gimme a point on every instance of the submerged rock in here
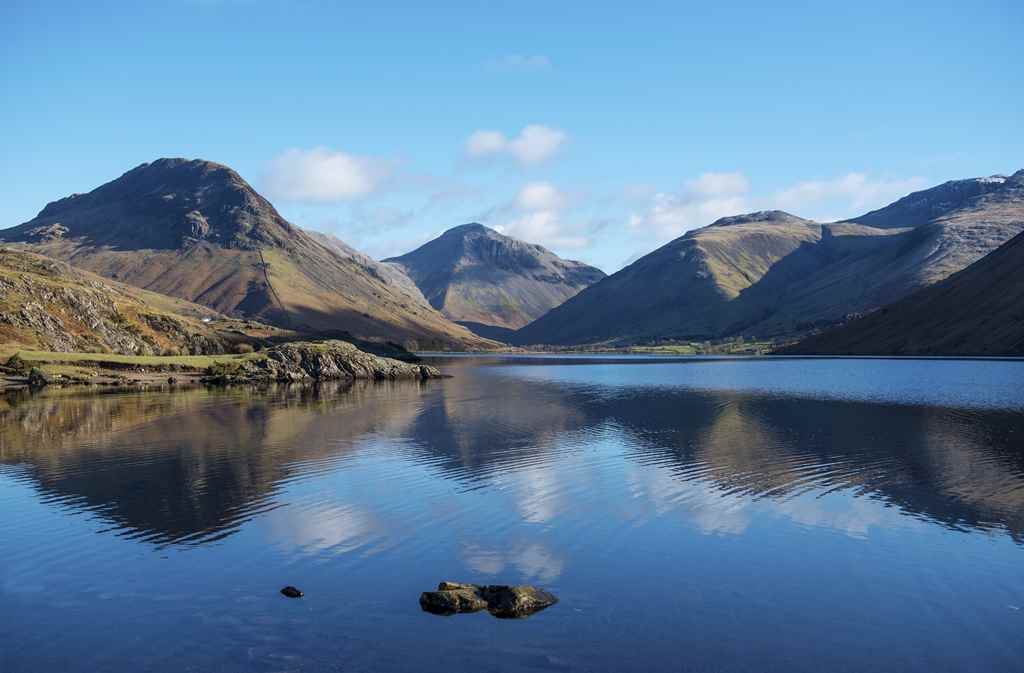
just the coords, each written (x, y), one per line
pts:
(500, 600)
(291, 592)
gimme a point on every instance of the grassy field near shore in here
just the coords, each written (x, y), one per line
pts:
(97, 367)
(118, 361)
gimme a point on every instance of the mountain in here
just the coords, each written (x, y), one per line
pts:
(977, 311)
(491, 282)
(196, 230)
(49, 305)
(770, 274)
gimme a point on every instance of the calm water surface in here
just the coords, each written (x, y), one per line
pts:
(693, 515)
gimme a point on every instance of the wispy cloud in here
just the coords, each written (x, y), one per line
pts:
(321, 175)
(852, 193)
(712, 185)
(519, 62)
(534, 144)
(709, 196)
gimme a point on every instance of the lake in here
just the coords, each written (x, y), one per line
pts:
(702, 514)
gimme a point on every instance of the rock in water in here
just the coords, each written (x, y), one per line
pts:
(516, 601)
(500, 600)
(291, 592)
(451, 598)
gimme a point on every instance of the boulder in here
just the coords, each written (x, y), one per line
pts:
(500, 600)
(516, 601)
(451, 601)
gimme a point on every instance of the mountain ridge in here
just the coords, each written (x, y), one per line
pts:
(772, 274)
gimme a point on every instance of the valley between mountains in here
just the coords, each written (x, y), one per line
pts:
(183, 256)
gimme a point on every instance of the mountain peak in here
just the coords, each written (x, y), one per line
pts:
(477, 275)
(773, 216)
(927, 205)
(165, 204)
(470, 228)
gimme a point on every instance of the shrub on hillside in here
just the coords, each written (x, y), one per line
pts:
(17, 365)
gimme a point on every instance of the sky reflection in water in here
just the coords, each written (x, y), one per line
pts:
(732, 515)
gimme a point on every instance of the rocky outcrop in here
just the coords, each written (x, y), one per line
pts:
(507, 602)
(52, 306)
(321, 361)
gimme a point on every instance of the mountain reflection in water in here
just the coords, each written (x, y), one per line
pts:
(515, 470)
(192, 465)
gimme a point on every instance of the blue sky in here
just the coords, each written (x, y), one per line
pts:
(601, 130)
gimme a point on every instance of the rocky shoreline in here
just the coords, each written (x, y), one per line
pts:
(294, 362)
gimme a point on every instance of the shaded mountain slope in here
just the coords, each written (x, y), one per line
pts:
(977, 311)
(492, 282)
(196, 230)
(771, 274)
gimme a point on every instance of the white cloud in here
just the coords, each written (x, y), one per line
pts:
(703, 200)
(854, 193)
(718, 184)
(521, 62)
(534, 144)
(537, 215)
(546, 228)
(709, 196)
(320, 175)
(484, 143)
(540, 196)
